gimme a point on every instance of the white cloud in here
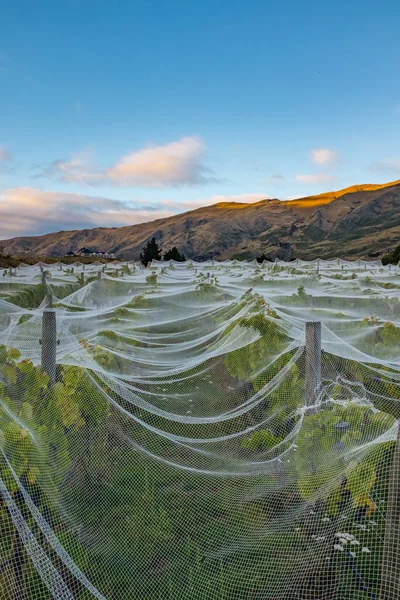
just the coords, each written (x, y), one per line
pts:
(315, 178)
(386, 165)
(323, 156)
(30, 211)
(175, 164)
(294, 197)
(217, 199)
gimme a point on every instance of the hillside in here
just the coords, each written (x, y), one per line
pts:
(360, 221)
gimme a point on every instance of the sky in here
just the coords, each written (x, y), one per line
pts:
(116, 113)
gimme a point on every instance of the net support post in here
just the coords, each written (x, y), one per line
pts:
(99, 273)
(44, 282)
(312, 360)
(49, 343)
(390, 578)
(48, 301)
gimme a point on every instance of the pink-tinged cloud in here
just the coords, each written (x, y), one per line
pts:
(324, 156)
(30, 211)
(175, 164)
(4, 155)
(315, 178)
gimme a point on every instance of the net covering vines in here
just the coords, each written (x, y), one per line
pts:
(200, 431)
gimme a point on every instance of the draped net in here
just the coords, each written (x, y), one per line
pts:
(190, 444)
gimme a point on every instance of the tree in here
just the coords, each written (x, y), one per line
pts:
(151, 251)
(392, 257)
(263, 257)
(174, 254)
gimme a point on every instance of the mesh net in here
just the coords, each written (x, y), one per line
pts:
(200, 431)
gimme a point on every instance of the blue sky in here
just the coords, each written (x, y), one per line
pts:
(116, 113)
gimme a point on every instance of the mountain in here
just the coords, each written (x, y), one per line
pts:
(359, 221)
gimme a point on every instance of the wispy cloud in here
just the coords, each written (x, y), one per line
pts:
(386, 165)
(175, 164)
(324, 156)
(30, 211)
(276, 179)
(315, 178)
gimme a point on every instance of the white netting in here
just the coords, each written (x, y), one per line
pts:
(200, 431)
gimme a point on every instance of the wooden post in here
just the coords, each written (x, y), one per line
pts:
(390, 579)
(48, 301)
(313, 360)
(49, 342)
(44, 282)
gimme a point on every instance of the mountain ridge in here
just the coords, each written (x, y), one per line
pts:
(363, 219)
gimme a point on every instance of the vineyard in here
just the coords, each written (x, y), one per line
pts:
(200, 431)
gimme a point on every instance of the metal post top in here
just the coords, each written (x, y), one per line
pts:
(313, 324)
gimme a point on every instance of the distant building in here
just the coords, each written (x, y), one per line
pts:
(91, 253)
(85, 252)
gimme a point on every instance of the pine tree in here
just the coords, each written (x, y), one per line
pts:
(174, 254)
(151, 251)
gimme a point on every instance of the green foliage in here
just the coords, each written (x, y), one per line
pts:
(126, 270)
(263, 439)
(152, 279)
(244, 362)
(322, 449)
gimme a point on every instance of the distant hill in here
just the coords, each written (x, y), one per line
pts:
(360, 221)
